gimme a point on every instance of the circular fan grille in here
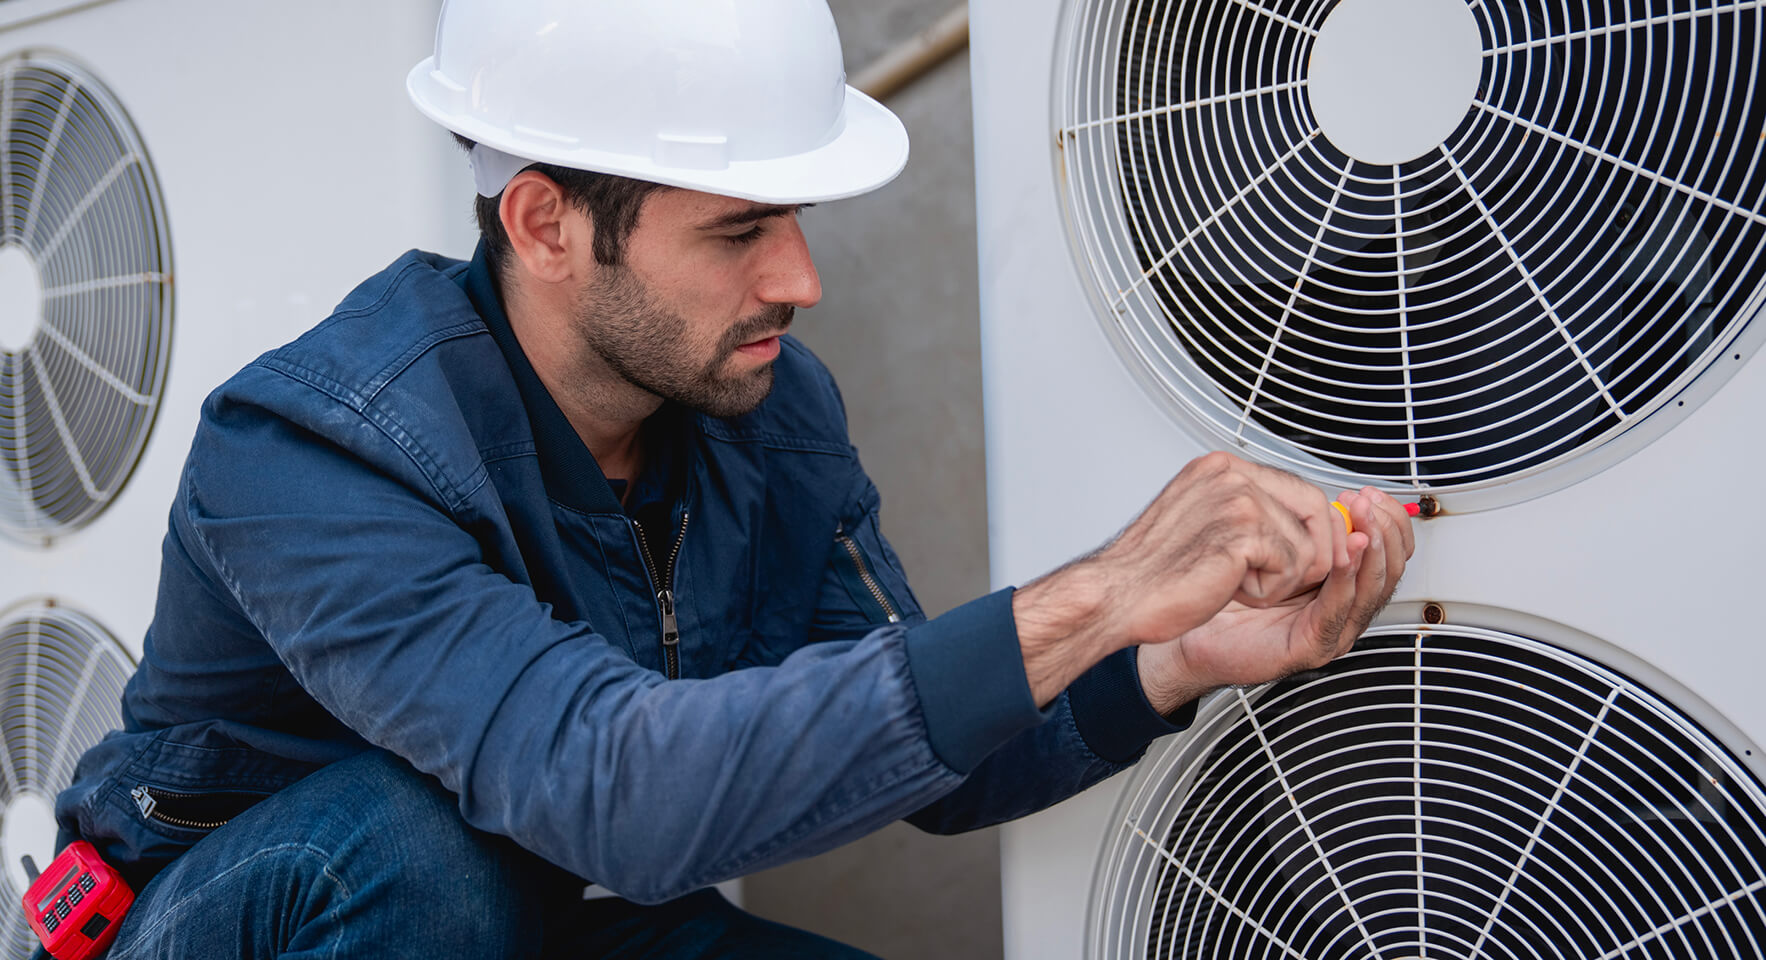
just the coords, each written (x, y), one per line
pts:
(1584, 243)
(87, 296)
(1444, 794)
(61, 683)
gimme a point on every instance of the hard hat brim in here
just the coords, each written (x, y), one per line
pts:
(867, 150)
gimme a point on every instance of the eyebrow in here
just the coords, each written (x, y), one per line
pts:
(753, 215)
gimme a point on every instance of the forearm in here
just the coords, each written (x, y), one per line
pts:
(1062, 628)
(1071, 620)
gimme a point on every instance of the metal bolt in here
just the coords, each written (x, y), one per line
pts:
(1428, 507)
(1434, 613)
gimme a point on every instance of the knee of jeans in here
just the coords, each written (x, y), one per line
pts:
(404, 828)
(366, 852)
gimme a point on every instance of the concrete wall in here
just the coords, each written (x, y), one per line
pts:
(899, 327)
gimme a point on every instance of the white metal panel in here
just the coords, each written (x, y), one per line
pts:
(292, 167)
(14, 12)
(1073, 442)
(1074, 445)
(1654, 555)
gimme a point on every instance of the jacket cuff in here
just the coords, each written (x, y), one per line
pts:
(969, 672)
(1112, 713)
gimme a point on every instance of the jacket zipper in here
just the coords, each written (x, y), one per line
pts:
(665, 597)
(148, 804)
(864, 575)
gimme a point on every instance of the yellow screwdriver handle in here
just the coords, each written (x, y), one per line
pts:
(1348, 524)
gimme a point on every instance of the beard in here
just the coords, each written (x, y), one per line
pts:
(648, 345)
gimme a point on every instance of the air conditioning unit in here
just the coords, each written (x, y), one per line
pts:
(1504, 255)
(183, 185)
(16, 12)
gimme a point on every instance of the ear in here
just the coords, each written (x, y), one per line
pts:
(551, 238)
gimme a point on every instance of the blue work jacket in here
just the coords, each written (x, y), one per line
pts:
(387, 534)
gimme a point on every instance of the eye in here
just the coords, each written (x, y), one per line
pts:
(744, 239)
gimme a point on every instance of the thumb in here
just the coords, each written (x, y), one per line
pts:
(1335, 604)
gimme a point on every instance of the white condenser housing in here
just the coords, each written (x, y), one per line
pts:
(1506, 257)
(184, 184)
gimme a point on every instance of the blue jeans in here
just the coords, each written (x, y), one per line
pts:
(369, 858)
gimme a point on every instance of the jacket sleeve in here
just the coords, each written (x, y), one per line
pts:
(380, 604)
(1099, 726)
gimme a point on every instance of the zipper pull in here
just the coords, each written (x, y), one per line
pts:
(671, 628)
(144, 801)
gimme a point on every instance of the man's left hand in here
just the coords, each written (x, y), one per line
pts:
(1245, 645)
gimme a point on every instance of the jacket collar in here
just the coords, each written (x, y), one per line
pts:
(572, 476)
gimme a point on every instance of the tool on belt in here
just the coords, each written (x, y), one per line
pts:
(76, 907)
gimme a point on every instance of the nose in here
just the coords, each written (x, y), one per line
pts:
(789, 275)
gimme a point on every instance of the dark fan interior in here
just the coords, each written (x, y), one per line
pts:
(61, 683)
(77, 194)
(1543, 811)
(1499, 302)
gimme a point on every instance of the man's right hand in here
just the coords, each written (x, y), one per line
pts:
(1222, 530)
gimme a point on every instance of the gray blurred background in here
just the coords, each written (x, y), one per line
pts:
(898, 324)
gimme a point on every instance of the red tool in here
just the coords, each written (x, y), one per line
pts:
(76, 907)
(1414, 509)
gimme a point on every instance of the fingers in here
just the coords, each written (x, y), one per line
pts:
(1383, 562)
(1294, 511)
(1322, 524)
(1401, 533)
(1288, 553)
(1374, 575)
(1336, 600)
(1358, 589)
(1277, 526)
(1375, 515)
(1394, 510)
(1222, 530)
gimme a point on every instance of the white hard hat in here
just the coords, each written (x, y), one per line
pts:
(744, 98)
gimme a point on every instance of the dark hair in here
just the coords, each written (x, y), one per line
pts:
(612, 204)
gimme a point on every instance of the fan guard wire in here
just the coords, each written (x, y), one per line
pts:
(1584, 247)
(1443, 793)
(79, 196)
(61, 686)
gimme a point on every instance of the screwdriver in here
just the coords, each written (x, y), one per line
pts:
(1414, 509)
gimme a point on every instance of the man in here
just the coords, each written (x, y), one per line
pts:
(557, 566)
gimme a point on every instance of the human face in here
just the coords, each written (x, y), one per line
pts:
(695, 311)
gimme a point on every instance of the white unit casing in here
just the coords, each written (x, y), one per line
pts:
(291, 167)
(18, 12)
(1644, 561)
(262, 161)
